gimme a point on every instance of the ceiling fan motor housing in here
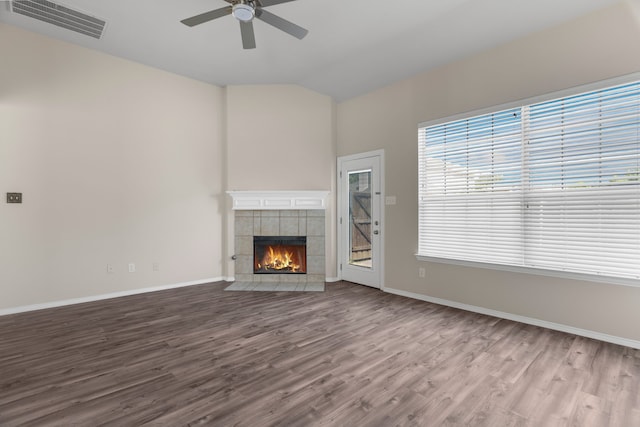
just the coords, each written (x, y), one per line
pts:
(243, 12)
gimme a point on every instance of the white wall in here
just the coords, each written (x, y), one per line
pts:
(117, 163)
(599, 46)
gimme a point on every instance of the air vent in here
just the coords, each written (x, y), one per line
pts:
(60, 16)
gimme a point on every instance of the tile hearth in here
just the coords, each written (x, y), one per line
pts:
(277, 287)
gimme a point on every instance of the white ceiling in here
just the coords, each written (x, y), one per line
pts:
(353, 46)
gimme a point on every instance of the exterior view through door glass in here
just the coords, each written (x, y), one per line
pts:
(360, 218)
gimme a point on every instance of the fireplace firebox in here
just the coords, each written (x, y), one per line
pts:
(279, 255)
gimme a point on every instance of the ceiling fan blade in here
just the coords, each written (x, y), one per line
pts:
(248, 37)
(265, 3)
(207, 16)
(281, 24)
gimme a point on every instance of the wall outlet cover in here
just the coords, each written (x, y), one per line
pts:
(14, 197)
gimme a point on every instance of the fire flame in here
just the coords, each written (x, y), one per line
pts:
(279, 259)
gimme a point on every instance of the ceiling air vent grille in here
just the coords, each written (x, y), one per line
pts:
(60, 16)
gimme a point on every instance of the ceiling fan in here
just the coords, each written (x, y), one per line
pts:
(245, 11)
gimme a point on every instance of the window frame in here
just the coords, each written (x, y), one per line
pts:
(538, 271)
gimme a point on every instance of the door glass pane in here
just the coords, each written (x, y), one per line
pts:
(360, 218)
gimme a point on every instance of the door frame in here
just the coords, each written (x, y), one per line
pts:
(342, 241)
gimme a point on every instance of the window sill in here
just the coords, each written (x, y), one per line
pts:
(535, 271)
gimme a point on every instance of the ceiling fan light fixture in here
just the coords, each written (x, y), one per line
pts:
(243, 12)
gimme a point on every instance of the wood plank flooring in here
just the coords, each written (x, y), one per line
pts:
(351, 356)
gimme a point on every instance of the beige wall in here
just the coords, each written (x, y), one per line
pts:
(596, 47)
(117, 163)
(281, 137)
(123, 163)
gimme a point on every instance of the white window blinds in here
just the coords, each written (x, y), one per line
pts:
(553, 185)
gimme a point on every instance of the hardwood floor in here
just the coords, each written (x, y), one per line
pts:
(351, 356)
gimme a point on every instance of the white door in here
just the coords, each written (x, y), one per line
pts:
(360, 218)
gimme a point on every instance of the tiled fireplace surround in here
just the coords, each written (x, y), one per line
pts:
(286, 222)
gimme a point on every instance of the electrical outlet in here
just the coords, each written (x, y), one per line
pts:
(421, 272)
(109, 268)
(14, 197)
(132, 267)
(156, 266)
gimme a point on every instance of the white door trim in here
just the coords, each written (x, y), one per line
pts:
(342, 249)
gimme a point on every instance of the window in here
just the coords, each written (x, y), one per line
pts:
(553, 185)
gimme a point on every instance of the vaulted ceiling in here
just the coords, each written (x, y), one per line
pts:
(353, 46)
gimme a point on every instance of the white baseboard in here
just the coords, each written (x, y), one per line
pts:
(522, 319)
(53, 304)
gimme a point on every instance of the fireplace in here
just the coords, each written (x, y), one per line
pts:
(279, 255)
(296, 226)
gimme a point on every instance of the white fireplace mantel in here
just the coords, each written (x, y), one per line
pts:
(278, 200)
